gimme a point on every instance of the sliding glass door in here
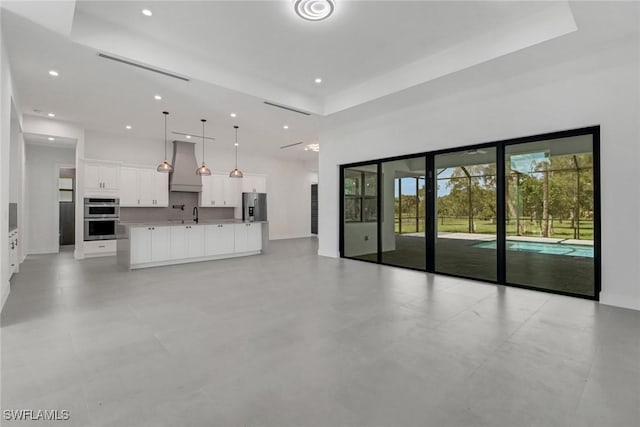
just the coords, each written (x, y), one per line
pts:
(521, 212)
(550, 215)
(404, 212)
(466, 216)
(360, 212)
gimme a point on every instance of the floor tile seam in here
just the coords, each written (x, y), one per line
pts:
(584, 388)
(86, 405)
(505, 341)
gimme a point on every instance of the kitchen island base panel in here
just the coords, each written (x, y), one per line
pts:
(154, 245)
(190, 260)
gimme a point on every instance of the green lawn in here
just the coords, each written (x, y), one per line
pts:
(461, 225)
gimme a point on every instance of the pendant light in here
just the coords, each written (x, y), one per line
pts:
(165, 166)
(236, 173)
(203, 170)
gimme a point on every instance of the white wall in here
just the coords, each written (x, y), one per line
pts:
(42, 228)
(575, 81)
(7, 99)
(288, 182)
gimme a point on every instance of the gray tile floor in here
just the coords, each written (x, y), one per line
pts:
(292, 339)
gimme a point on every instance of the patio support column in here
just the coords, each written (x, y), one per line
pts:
(417, 207)
(470, 214)
(399, 205)
(576, 209)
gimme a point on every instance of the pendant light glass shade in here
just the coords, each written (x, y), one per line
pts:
(236, 173)
(203, 170)
(165, 166)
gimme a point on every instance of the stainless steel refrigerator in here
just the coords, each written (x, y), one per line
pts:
(254, 206)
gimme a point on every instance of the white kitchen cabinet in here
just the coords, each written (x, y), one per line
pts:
(218, 190)
(101, 179)
(231, 191)
(129, 194)
(96, 248)
(143, 187)
(161, 189)
(254, 183)
(248, 237)
(187, 241)
(219, 239)
(149, 244)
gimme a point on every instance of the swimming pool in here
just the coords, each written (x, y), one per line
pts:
(542, 248)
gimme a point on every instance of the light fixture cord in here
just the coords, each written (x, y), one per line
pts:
(203, 120)
(165, 137)
(236, 147)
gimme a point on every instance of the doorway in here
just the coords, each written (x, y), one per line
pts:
(66, 205)
(314, 209)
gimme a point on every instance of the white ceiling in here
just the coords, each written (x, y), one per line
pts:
(241, 53)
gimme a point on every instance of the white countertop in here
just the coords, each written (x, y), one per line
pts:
(169, 223)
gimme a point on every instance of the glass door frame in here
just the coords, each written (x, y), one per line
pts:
(501, 234)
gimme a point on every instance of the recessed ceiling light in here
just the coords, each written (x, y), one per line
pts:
(53, 73)
(285, 127)
(51, 138)
(188, 136)
(128, 126)
(314, 10)
(233, 115)
(147, 12)
(318, 80)
(312, 147)
(236, 144)
(51, 115)
(157, 97)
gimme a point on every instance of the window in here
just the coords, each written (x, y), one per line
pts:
(360, 196)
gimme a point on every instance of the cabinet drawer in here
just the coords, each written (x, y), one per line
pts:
(100, 247)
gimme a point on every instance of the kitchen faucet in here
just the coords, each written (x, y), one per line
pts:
(195, 214)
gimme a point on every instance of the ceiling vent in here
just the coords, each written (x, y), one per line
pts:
(144, 67)
(287, 108)
(291, 145)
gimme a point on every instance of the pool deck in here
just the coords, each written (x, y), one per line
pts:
(489, 237)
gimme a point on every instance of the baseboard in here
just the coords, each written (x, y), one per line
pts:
(292, 236)
(619, 301)
(329, 254)
(5, 294)
(43, 251)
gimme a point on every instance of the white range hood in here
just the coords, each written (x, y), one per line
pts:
(184, 177)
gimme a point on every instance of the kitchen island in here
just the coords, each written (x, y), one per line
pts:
(152, 244)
